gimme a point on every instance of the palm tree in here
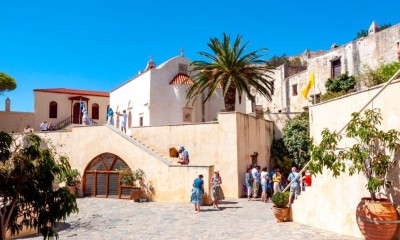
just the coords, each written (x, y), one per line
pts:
(232, 70)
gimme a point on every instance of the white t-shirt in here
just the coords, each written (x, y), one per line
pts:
(43, 126)
(264, 176)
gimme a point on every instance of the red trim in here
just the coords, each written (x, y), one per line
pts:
(74, 92)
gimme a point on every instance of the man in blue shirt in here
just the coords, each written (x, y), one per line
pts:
(295, 186)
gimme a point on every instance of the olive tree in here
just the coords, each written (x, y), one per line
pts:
(7, 83)
(27, 196)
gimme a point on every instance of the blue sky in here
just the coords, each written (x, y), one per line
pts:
(98, 45)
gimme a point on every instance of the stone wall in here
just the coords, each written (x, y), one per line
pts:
(355, 57)
(225, 145)
(15, 121)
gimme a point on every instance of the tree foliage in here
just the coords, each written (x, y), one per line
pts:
(231, 69)
(364, 32)
(281, 156)
(276, 61)
(27, 197)
(342, 83)
(296, 136)
(7, 83)
(337, 87)
(372, 77)
(371, 154)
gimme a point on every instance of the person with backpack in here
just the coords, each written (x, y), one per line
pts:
(295, 186)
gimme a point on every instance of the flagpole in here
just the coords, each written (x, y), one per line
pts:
(314, 90)
(80, 110)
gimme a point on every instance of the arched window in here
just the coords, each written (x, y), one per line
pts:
(95, 111)
(130, 119)
(53, 110)
(101, 178)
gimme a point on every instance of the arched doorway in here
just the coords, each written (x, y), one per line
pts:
(101, 178)
(77, 115)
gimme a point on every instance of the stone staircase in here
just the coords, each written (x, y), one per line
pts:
(148, 147)
(172, 160)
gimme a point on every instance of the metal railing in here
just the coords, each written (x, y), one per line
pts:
(70, 120)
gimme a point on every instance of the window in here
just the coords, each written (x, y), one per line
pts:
(336, 68)
(95, 111)
(141, 121)
(53, 110)
(294, 90)
(182, 68)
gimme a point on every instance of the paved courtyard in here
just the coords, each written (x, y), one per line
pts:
(238, 219)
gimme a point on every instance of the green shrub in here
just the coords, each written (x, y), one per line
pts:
(296, 136)
(280, 199)
(372, 77)
(342, 83)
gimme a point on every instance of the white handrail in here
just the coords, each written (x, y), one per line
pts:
(344, 127)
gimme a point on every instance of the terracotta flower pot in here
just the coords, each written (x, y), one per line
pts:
(72, 189)
(375, 219)
(280, 213)
(135, 194)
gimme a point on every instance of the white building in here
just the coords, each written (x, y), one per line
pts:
(157, 96)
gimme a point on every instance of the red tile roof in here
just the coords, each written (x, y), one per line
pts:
(74, 92)
(182, 78)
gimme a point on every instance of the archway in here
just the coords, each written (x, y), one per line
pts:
(101, 177)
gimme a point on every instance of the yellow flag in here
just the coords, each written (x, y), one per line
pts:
(310, 84)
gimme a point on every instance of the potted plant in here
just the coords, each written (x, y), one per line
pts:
(134, 179)
(371, 154)
(126, 177)
(72, 180)
(280, 208)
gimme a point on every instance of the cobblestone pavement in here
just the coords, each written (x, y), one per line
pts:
(237, 219)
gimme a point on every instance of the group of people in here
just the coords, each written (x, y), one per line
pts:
(270, 182)
(110, 118)
(44, 126)
(198, 191)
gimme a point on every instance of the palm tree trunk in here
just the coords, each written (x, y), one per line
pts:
(230, 99)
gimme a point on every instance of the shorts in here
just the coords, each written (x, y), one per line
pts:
(264, 186)
(294, 190)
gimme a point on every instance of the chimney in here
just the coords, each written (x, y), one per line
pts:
(8, 104)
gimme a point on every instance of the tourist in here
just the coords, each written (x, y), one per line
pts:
(50, 127)
(197, 193)
(183, 156)
(110, 120)
(277, 180)
(270, 188)
(283, 183)
(264, 184)
(216, 191)
(85, 119)
(295, 186)
(43, 126)
(28, 129)
(248, 179)
(123, 121)
(256, 183)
